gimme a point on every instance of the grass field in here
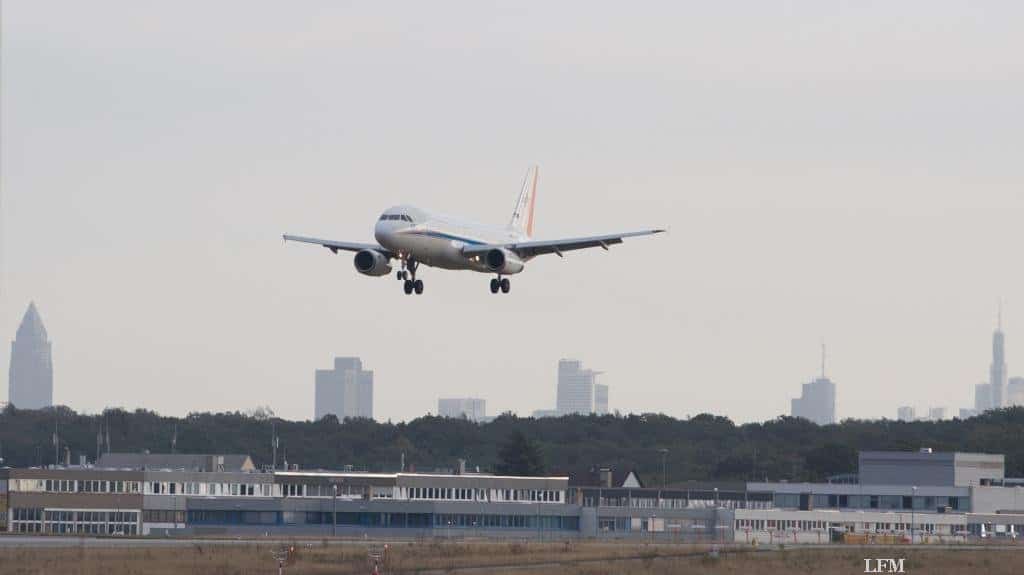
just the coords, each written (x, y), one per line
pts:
(576, 558)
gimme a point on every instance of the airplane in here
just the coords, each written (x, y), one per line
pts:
(415, 236)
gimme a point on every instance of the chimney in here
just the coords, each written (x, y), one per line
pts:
(81, 460)
(461, 469)
(67, 456)
(606, 477)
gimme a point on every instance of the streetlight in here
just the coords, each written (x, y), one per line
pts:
(912, 498)
(334, 513)
(664, 453)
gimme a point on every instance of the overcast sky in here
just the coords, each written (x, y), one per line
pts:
(841, 170)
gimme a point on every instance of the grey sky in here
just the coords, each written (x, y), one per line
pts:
(843, 170)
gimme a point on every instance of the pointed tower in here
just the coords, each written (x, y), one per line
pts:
(31, 373)
(997, 371)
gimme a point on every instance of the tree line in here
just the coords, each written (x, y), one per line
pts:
(704, 447)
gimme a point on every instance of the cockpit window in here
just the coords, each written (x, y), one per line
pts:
(398, 217)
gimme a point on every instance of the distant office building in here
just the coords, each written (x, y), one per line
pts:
(982, 397)
(600, 399)
(345, 391)
(471, 408)
(539, 413)
(905, 413)
(31, 373)
(997, 371)
(575, 388)
(966, 413)
(1015, 392)
(817, 402)
(937, 414)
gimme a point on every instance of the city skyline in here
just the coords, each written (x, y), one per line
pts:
(578, 391)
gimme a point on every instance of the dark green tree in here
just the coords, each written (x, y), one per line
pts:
(518, 455)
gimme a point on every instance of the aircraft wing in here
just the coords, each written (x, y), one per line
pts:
(335, 246)
(535, 248)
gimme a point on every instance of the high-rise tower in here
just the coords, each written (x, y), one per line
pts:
(817, 401)
(997, 372)
(31, 374)
(575, 388)
(345, 391)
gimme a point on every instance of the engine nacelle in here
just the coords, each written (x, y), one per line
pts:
(372, 263)
(502, 261)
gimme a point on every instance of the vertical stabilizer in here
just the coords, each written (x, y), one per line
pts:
(522, 217)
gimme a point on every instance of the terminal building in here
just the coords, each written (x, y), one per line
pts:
(895, 496)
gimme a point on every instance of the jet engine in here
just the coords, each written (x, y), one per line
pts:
(372, 263)
(502, 261)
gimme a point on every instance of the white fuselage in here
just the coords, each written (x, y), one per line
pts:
(437, 240)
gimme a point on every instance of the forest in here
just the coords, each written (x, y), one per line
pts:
(703, 447)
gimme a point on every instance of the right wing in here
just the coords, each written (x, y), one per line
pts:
(532, 248)
(335, 246)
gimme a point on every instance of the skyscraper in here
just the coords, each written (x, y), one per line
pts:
(600, 399)
(471, 408)
(31, 373)
(997, 371)
(575, 388)
(345, 391)
(817, 401)
(906, 413)
(1015, 392)
(982, 397)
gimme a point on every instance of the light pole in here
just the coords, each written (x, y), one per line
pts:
(664, 453)
(913, 496)
(334, 512)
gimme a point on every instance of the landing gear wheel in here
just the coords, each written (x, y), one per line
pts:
(408, 287)
(494, 285)
(505, 285)
(418, 286)
(400, 276)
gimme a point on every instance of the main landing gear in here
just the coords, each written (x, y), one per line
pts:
(409, 277)
(500, 283)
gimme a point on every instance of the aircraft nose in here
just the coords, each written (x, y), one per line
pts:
(380, 231)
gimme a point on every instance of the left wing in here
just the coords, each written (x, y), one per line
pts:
(535, 248)
(335, 246)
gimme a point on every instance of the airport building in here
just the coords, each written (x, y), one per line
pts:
(894, 497)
